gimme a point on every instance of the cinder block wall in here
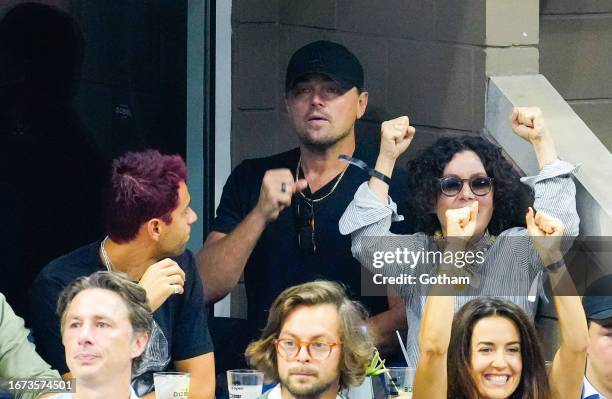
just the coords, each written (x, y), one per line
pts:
(576, 57)
(427, 59)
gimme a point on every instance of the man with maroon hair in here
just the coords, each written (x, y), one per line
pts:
(148, 224)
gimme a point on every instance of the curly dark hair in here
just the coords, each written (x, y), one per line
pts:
(510, 196)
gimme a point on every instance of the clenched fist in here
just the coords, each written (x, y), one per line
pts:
(277, 189)
(546, 232)
(396, 136)
(461, 222)
(161, 280)
(528, 123)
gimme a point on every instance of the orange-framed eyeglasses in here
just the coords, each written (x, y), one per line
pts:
(290, 348)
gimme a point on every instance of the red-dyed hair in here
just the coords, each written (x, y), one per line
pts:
(144, 185)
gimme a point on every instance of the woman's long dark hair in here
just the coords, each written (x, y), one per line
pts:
(533, 383)
(510, 197)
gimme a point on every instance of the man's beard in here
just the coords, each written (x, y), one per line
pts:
(173, 252)
(320, 145)
(308, 391)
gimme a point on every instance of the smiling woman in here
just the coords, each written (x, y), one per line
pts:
(492, 351)
(491, 340)
(465, 197)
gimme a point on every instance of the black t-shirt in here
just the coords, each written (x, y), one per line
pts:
(277, 262)
(180, 329)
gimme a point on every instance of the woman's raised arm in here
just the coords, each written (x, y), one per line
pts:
(566, 375)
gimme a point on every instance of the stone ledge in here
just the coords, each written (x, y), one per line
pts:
(575, 143)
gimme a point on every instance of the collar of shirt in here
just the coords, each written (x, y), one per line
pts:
(275, 393)
(589, 391)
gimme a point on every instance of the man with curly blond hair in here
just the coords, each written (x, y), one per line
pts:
(314, 344)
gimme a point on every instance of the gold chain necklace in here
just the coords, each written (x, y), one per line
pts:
(105, 257)
(297, 175)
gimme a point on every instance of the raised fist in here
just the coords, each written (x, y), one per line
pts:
(277, 189)
(396, 135)
(461, 222)
(528, 123)
(546, 232)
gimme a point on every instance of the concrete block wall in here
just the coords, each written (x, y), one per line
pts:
(428, 59)
(575, 54)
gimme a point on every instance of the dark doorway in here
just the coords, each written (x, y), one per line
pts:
(82, 82)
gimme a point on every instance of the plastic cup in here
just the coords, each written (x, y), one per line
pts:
(171, 385)
(399, 382)
(244, 384)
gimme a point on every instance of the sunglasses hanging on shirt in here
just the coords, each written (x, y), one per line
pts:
(304, 219)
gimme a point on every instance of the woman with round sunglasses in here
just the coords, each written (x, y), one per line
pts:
(491, 349)
(462, 178)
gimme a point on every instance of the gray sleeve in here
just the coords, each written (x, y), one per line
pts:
(555, 194)
(368, 221)
(18, 357)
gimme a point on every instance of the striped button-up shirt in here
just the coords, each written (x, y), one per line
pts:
(511, 268)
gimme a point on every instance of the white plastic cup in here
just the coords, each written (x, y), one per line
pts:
(244, 384)
(171, 385)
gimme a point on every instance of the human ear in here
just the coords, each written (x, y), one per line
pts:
(154, 227)
(362, 104)
(139, 343)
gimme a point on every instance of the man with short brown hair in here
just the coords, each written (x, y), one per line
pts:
(105, 323)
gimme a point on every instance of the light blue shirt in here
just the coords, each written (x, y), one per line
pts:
(275, 393)
(589, 390)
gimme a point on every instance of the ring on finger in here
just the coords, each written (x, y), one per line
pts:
(176, 288)
(283, 187)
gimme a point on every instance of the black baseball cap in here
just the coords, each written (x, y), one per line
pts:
(326, 58)
(597, 300)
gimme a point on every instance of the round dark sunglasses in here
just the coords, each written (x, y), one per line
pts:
(480, 185)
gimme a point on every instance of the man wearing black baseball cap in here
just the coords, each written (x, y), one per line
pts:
(597, 304)
(278, 217)
(327, 59)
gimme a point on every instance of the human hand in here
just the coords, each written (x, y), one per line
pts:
(546, 232)
(461, 222)
(161, 280)
(396, 136)
(528, 123)
(272, 198)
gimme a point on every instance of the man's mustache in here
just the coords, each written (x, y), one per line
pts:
(302, 370)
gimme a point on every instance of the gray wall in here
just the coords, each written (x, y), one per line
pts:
(426, 59)
(576, 56)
